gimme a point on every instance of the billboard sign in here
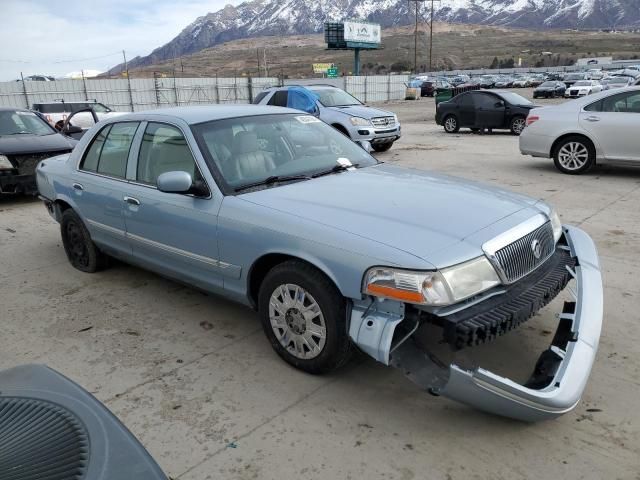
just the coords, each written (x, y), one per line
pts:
(362, 32)
(321, 67)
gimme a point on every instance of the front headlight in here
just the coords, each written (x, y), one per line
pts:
(5, 164)
(359, 122)
(556, 224)
(444, 287)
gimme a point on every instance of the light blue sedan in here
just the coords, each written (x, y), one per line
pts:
(275, 209)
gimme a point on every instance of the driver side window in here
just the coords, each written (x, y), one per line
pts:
(164, 149)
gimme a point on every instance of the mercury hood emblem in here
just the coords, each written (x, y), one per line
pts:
(536, 248)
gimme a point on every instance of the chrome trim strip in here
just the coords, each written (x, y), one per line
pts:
(226, 268)
(107, 228)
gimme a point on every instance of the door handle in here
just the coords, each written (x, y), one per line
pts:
(78, 186)
(592, 119)
(131, 200)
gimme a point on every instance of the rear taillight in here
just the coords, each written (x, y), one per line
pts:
(532, 119)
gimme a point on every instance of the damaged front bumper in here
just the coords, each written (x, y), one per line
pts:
(559, 377)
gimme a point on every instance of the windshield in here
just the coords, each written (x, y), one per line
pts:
(574, 76)
(548, 84)
(16, 122)
(334, 97)
(582, 83)
(248, 150)
(514, 98)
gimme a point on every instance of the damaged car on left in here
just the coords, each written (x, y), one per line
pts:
(26, 139)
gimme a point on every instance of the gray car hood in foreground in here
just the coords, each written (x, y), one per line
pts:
(362, 111)
(418, 212)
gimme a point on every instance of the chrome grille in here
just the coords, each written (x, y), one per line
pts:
(383, 121)
(519, 259)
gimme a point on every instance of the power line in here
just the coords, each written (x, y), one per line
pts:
(61, 61)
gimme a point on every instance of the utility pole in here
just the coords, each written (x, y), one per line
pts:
(431, 38)
(126, 69)
(415, 38)
(258, 57)
(266, 65)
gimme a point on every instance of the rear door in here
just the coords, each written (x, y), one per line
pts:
(172, 233)
(99, 184)
(466, 110)
(614, 122)
(490, 110)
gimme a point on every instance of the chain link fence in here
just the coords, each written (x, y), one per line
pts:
(149, 93)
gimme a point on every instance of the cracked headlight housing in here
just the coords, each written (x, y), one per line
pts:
(435, 288)
(5, 164)
(359, 122)
(556, 224)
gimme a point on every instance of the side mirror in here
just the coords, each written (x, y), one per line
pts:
(181, 182)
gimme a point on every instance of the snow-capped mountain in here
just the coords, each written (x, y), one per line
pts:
(286, 17)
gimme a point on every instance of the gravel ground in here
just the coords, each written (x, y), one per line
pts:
(195, 380)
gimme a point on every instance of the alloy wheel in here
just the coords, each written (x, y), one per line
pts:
(573, 155)
(450, 124)
(518, 125)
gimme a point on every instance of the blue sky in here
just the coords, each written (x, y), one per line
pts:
(58, 37)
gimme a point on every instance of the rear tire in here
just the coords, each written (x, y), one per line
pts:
(451, 124)
(82, 253)
(382, 147)
(574, 155)
(304, 317)
(517, 124)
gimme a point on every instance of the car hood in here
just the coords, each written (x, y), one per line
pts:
(362, 111)
(22, 144)
(418, 212)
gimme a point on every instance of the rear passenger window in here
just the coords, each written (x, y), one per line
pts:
(164, 149)
(279, 98)
(594, 107)
(109, 150)
(91, 158)
(113, 158)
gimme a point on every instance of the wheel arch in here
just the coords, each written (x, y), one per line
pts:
(564, 136)
(341, 128)
(263, 264)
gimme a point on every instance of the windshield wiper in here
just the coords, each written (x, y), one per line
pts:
(335, 169)
(16, 133)
(272, 179)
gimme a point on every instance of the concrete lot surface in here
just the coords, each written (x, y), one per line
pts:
(196, 381)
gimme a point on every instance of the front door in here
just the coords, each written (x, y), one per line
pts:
(172, 233)
(490, 110)
(614, 123)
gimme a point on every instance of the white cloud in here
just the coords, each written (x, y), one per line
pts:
(39, 36)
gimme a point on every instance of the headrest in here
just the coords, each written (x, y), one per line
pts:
(245, 142)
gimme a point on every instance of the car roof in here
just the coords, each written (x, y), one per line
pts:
(207, 113)
(13, 109)
(56, 102)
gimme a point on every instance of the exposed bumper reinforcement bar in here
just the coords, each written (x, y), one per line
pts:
(560, 375)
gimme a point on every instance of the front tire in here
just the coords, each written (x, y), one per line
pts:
(382, 147)
(82, 253)
(574, 155)
(517, 125)
(451, 124)
(304, 317)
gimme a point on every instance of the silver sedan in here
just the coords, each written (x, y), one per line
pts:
(578, 134)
